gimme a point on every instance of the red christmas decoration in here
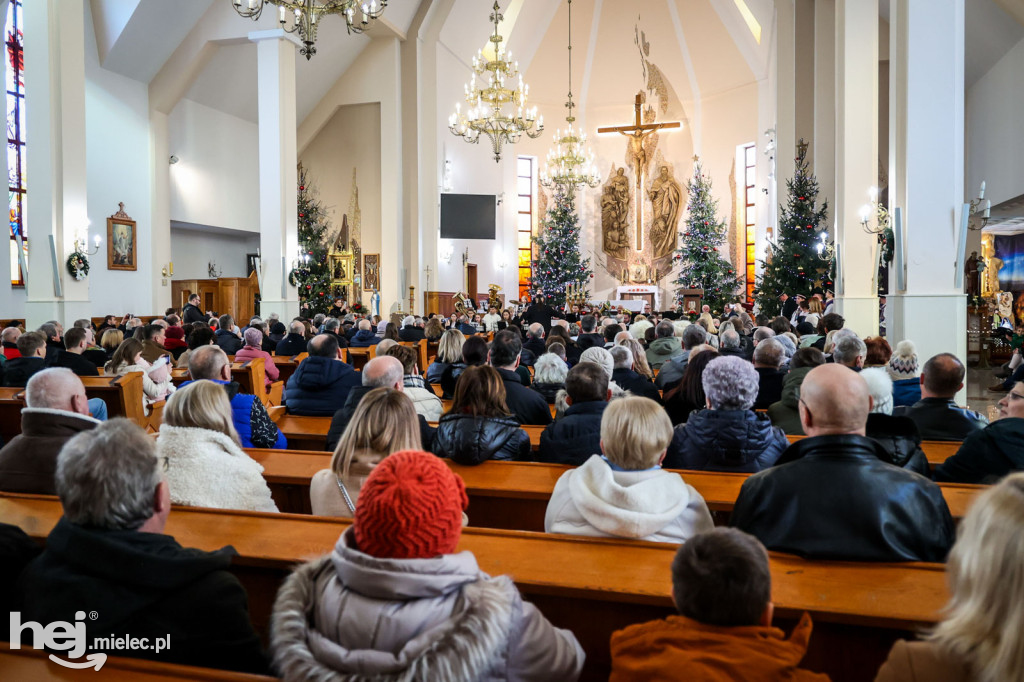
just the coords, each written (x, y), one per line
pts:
(320, 293)
(302, 215)
(302, 188)
(308, 287)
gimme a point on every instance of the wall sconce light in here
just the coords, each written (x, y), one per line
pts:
(168, 270)
(446, 253)
(446, 176)
(173, 160)
(500, 197)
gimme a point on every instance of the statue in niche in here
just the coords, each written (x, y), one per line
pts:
(972, 274)
(666, 197)
(615, 215)
(993, 264)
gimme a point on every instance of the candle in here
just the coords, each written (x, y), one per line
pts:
(981, 194)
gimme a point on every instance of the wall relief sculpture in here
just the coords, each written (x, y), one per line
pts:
(615, 201)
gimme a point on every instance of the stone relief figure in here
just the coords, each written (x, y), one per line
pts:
(990, 286)
(972, 274)
(615, 215)
(1005, 306)
(666, 198)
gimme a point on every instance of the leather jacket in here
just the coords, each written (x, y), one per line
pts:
(833, 497)
(469, 440)
(941, 419)
(899, 438)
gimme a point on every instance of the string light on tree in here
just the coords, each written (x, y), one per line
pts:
(311, 271)
(558, 265)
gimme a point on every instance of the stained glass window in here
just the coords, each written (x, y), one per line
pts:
(750, 215)
(524, 226)
(15, 77)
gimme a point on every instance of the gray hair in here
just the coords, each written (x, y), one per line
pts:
(664, 330)
(730, 339)
(384, 345)
(384, 371)
(622, 357)
(48, 329)
(600, 356)
(331, 324)
(53, 387)
(206, 362)
(694, 335)
(730, 383)
(107, 477)
(762, 333)
(536, 330)
(273, 317)
(297, 327)
(10, 334)
(788, 346)
(408, 321)
(550, 369)
(769, 352)
(848, 349)
(318, 319)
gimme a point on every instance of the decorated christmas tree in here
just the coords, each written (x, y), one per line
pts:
(312, 277)
(703, 267)
(800, 260)
(558, 262)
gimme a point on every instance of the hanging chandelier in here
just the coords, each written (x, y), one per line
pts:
(569, 164)
(304, 16)
(499, 109)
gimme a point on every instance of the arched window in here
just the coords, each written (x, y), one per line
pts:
(16, 136)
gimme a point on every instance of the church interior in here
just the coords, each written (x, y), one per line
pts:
(407, 157)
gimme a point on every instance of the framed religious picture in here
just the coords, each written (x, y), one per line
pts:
(371, 271)
(122, 241)
(692, 300)
(341, 269)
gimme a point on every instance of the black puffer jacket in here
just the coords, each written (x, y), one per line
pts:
(725, 440)
(575, 436)
(901, 441)
(466, 439)
(549, 391)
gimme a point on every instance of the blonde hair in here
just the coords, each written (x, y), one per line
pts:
(814, 305)
(111, 339)
(449, 348)
(985, 570)
(384, 422)
(635, 432)
(202, 404)
(640, 365)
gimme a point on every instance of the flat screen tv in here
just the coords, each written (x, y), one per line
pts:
(468, 216)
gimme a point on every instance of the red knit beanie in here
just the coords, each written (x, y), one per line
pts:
(410, 507)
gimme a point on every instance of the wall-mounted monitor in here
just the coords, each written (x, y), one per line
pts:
(468, 216)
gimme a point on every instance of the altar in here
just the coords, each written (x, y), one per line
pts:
(644, 293)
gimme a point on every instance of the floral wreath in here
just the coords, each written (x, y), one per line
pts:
(78, 265)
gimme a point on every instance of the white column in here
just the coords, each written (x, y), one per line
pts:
(55, 157)
(275, 62)
(785, 126)
(926, 170)
(824, 148)
(856, 159)
(160, 212)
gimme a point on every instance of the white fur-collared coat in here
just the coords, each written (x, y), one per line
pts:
(653, 504)
(205, 468)
(351, 617)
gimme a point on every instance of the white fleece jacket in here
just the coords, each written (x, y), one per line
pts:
(206, 469)
(654, 505)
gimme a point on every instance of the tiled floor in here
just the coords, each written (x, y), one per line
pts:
(979, 398)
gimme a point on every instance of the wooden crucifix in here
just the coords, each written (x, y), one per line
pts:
(637, 133)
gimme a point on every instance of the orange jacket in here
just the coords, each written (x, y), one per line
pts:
(680, 648)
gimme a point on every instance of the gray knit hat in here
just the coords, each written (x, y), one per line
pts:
(903, 363)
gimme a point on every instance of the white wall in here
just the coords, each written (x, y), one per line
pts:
(216, 181)
(995, 140)
(192, 249)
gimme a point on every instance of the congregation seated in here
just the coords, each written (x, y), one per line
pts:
(364, 336)
(227, 335)
(936, 414)
(320, 385)
(395, 600)
(526, 405)
(412, 329)
(560, 334)
(56, 409)
(295, 342)
(549, 374)
(277, 333)
(722, 588)
(730, 343)
(785, 413)
(384, 422)
(534, 346)
(108, 556)
(53, 332)
(9, 339)
(479, 426)
(575, 435)
(249, 416)
(16, 551)
(831, 322)
(728, 435)
(153, 345)
(769, 355)
(672, 371)
(627, 378)
(993, 452)
(253, 349)
(588, 333)
(625, 492)
(849, 351)
(474, 354)
(688, 395)
(201, 336)
(30, 359)
(426, 402)
(903, 369)
(898, 436)
(879, 352)
(449, 353)
(985, 571)
(666, 345)
(156, 379)
(76, 342)
(206, 466)
(840, 499)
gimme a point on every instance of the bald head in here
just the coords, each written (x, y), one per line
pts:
(364, 325)
(57, 388)
(208, 362)
(834, 400)
(384, 371)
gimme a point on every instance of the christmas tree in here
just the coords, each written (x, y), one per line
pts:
(558, 262)
(795, 263)
(703, 267)
(313, 275)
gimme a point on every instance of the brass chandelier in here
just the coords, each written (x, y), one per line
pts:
(305, 15)
(498, 110)
(569, 164)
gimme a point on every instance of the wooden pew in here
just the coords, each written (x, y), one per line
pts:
(11, 402)
(303, 433)
(514, 495)
(359, 356)
(123, 396)
(421, 352)
(29, 664)
(286, 366)
(936, 451)
(590, 586)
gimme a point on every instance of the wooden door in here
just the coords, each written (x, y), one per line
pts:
(471, 282)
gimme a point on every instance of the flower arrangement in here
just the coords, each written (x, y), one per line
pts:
(78, 265)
